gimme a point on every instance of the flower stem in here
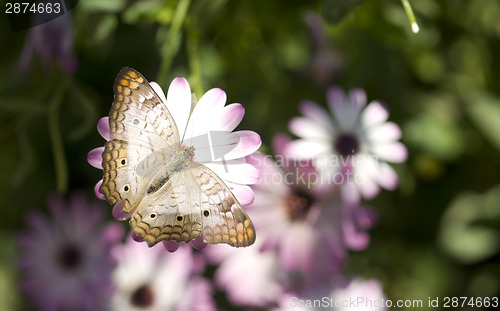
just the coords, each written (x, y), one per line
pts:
(60, 163)
(172, 43)
(411, 16)
(194, 61)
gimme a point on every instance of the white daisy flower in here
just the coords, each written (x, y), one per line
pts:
(350, 148)
(150, 279)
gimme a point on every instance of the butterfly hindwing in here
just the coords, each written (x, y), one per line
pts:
(171, 213)
(224, 219)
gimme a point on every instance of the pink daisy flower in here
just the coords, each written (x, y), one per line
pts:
(309, 230)
(264, 278)
(65, 260)
(350, 148)
(150, 279)
(209, 129)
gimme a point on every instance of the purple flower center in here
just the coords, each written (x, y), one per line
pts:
(298, 205)
(69, 257)
(143, 296)
(346, 144)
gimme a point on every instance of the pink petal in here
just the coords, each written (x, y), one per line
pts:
(136, 238)
(248, 144)
(394, 152)
(350, 194)
(374, 113)
(103, 128)
(231, 116)
(198, 243)
(280, 141)
(178, 103)
(308, 128)
(118, 212)
(171, 246)
(96, 190)
(243, 193)
(94, 157)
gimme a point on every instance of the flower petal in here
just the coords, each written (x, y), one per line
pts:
(103, 128)
(243, 193)
(248, 144)
(94, 157)
(308, 128)
(231, 116)
(238, 173)
(209, 108)
(374, 113)
(171, 246)
(386, 176)
(315, 112)
(198, 243)
(178, 102)
(280, 141)
(96, 190)
(394, 152)
(118, 212)
(385, 132)
(306, 149)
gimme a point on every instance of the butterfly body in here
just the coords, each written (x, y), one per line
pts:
(146, 168)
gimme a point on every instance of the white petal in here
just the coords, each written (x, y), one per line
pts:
(386, 176)
(306, 149)
(385, 132)
(308, 128)
(315, 112)
(244, 173)
(394, 152)
(179, 103)
(208, 109)
(249, 142)
(374, 113)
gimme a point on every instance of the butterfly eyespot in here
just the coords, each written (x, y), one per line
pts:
(124, 162)
(126, 188)
(206, 213)
(179, 218)
(152, 215)
(136, 122)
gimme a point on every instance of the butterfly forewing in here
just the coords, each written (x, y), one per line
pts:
(141, 126)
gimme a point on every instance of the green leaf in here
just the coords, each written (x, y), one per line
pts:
(463, 232)
(484, 110)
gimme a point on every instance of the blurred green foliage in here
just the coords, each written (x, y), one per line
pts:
(438, 233)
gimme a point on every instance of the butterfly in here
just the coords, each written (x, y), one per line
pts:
(149, 172)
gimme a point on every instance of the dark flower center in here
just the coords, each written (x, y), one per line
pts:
(298, 205)
(69, 257)
(346, 144)
(143, 296)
